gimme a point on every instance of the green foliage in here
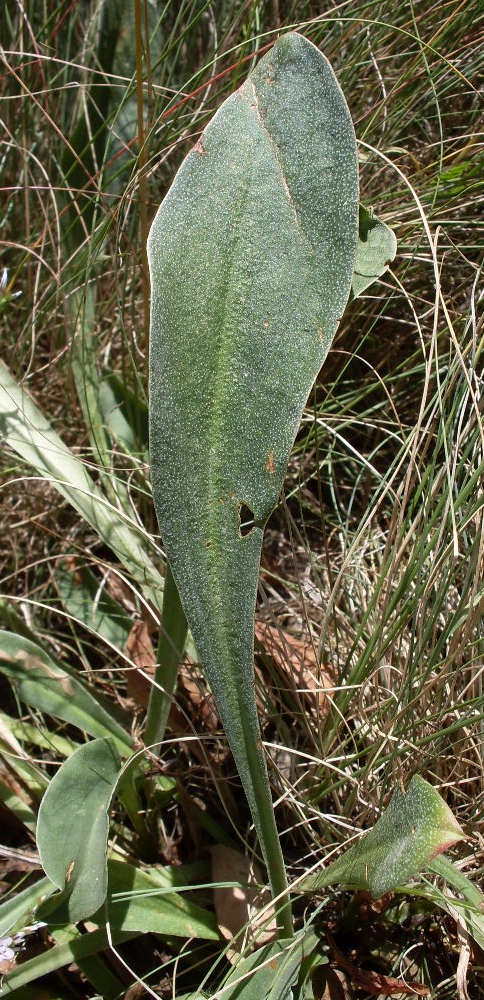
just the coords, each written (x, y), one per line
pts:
(72, 831)
(251, 257)
(415, 827)
(375, 250)
(45, 685)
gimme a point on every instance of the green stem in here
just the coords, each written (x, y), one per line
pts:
(269, 840)
(170, 652)
(142, 162)
(171, 646)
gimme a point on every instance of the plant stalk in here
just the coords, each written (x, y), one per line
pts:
(142, 163)
(269, 840)
(173, 637)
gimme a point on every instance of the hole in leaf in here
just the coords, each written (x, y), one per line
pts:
(246, 519)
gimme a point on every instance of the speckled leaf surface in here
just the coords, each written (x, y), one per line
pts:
(251, 258)
(416, 826)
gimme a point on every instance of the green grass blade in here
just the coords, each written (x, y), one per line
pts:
(173, 637)
(18, 909)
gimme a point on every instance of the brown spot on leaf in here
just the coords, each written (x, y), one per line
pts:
(269, 78)
(69, 871)
(73, 566)
(270, 466)
(199, 146)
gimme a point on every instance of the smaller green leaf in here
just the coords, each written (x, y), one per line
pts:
(375, 250)
(17, 806)
(91, 604)
(55, 958)
(416, 826)
(72, 831)
(136, 902)
(254, 977)
(28, 732)
(125, 414)
(471, 905)
(271, 972)
(17, 910)
(27, 431)
(291, 970)
(41, 682)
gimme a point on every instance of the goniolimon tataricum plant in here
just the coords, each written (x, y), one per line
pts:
(252, 256)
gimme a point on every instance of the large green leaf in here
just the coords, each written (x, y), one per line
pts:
(72, 831)
(416, 826)
(251, 258)
(42, 683)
